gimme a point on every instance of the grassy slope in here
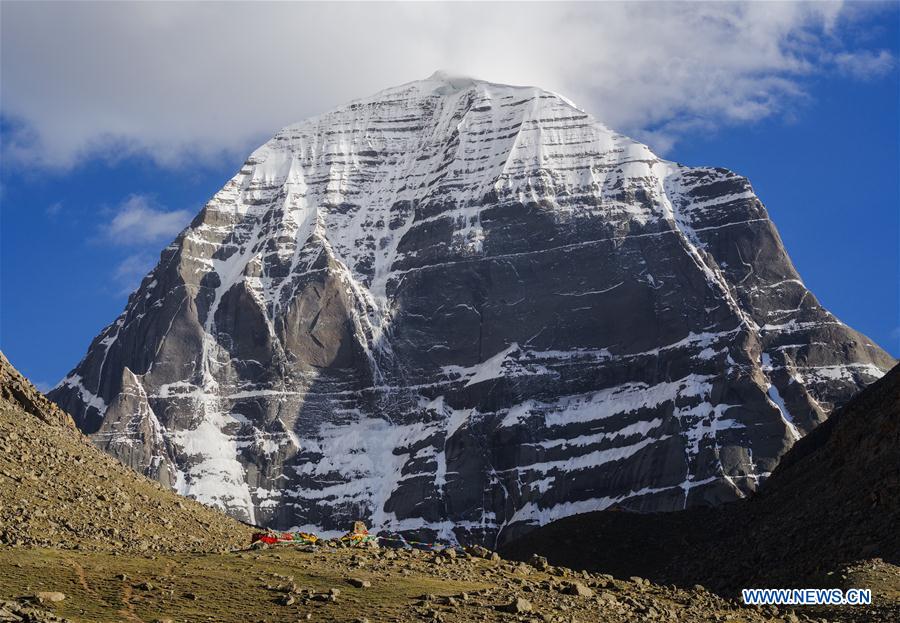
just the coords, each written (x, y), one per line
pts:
(193, 587)
(407, 586)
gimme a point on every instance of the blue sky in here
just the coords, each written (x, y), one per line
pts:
(101, 168)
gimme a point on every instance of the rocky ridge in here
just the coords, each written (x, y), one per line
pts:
(16, 389)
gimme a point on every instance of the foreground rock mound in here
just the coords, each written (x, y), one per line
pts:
(467, 309)
(834, 499)
(57, 489)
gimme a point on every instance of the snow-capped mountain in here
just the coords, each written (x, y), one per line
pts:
(465, 309)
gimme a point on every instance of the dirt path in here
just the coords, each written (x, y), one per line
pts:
(128, 610)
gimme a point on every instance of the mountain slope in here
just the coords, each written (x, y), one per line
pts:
(834, 500)
(57, 489)
(17, 390)
(466, 309)
(285, 583)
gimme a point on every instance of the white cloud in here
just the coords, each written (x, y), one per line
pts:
(139, 221)
(139, 224)
(865, 65)
(54, 209)
(43, 386)
(185, 82)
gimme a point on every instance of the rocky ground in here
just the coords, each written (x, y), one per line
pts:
(291, 583)
(884, 580)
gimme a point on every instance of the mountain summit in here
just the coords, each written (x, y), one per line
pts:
(466, 309)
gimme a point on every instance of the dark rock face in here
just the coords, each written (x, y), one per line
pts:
(833, 500)
(466, 309)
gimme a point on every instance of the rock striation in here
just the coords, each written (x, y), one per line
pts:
(466, 309)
